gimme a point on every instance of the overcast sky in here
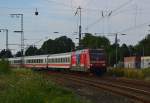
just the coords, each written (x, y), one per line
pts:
(130, 17)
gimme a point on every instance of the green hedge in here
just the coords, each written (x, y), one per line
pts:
(4, 66)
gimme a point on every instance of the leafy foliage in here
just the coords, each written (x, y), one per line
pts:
(18, 54)
(90, 41)
(4, 67)
(129, 73)
(59, 45)
(5, 54)
(143, 47)
(32, 50)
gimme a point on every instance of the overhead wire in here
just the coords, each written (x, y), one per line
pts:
(112, 13)
(134, 27)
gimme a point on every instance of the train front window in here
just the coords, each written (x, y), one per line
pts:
(96, 56)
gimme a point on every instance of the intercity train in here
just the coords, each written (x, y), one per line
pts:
(86, 60)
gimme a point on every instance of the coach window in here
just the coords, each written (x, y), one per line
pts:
(55, 60)
(69, 59)
(38, 60)
(64, 60)
(59, 60)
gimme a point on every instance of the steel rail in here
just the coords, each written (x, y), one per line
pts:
(122, 90)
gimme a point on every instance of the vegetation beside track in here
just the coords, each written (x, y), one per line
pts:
(4, 67)
(130, 73)
(25, 86)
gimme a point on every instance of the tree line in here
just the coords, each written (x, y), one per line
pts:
(64, 44)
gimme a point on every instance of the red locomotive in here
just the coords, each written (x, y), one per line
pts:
(86, 60)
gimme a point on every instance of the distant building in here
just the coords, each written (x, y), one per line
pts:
(132, 62)
(145, 62)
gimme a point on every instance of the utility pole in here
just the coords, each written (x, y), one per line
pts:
(22, 36)
(116, 43)
(80, 27)
(6, 30)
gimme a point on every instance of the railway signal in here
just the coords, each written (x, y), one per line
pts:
(36, 12)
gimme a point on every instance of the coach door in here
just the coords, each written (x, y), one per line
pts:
(78, 60)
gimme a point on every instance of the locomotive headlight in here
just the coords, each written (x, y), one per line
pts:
(103, 64)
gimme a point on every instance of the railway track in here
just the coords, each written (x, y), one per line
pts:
(140, 93)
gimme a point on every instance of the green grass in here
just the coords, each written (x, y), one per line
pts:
(24, 86)
(4, 67)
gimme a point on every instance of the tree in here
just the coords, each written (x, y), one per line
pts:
(48, 47)
(59, 45)
(18, 54)
(143, 47)
(32, 50)
(124, 51)
(5, 54)
(90, 41)
(64, 44)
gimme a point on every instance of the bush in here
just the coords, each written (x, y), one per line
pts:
(4, 66)
(129, 73)
(146, 72)
(116, 72)
(133, 73)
